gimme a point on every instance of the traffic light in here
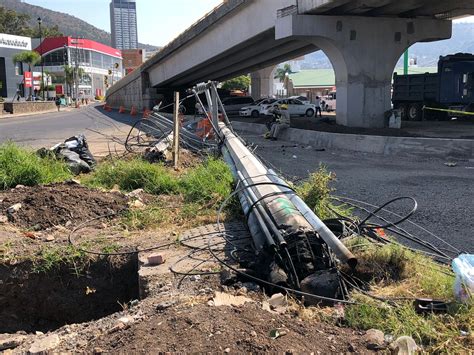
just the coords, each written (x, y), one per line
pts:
(110, 71)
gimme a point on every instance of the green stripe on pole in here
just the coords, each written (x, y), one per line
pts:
(405, 62)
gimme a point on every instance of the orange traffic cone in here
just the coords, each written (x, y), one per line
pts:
(146, 113)
(133, 111)
(109, 108)
(121, 109)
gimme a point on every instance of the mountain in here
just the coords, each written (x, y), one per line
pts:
(67, 24)
(426, 54)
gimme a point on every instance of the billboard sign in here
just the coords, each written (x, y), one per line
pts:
(28, 79)
(15, 42)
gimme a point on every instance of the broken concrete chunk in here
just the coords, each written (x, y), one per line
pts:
(14, 208)
(11, 341)
(225, 299)
(135, 193)
(278, 303)
(44, 345)
(136, 204)
(404, 345)
(375, 339)
(3, 219)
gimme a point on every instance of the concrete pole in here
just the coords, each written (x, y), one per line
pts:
(176, 130)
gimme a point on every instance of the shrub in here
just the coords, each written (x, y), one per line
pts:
(134, 174)
(315, 192)
(21, 166)
(207, 183)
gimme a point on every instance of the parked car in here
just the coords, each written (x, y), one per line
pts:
(303, 99)
(329, 102)
(233, 104)
(295, 107)
(255, 108)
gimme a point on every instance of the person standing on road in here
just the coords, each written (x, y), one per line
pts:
(58, 102)
(317, 103)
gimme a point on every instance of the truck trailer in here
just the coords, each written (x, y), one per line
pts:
(451, 88)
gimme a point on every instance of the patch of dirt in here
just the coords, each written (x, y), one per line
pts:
(51, 205)
(201, 328)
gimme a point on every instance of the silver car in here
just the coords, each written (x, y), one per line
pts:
(255, 109)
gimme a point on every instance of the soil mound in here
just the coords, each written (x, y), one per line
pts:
(47, 206)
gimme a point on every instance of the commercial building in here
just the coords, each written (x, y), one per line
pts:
(11, 74)
(132, 59)
(101, 65)
(123, 23)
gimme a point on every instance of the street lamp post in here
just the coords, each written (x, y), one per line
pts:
(41, 54)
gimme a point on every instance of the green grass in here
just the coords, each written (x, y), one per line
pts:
(316, 193)
(52, 258)
(398, 272)
(133, 174)
(207, 183)
(24, 167)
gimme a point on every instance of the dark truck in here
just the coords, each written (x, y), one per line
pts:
(452, 87)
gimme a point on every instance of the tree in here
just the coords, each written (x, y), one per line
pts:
(45, 32)
(69, 72)
(282, 74)
(28, 57)
(14, 23)
(239, 83)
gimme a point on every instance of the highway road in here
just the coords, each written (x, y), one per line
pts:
(47, 129)
(445, 194)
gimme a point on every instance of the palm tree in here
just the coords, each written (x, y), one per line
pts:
(29, 57)
(70, 72)
(283, 75)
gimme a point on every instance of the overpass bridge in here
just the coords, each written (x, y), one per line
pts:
(363, 39)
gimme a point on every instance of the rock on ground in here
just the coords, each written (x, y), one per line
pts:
(44, 345)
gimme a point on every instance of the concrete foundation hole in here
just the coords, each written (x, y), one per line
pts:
(32, 300)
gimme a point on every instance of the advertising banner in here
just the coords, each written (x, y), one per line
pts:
(28, 78)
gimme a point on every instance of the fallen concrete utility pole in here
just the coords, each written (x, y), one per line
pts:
(292, 243)
(176, 130)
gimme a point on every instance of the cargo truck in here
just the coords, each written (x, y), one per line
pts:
(451, 88)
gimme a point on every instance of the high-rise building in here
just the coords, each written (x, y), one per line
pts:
(123, 22)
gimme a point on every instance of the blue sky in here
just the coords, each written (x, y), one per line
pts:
(159, 21)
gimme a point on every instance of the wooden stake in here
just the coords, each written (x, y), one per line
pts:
(176, 130)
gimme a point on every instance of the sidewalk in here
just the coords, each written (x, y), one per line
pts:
(63, 109)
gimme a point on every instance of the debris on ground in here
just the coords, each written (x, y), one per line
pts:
(375, 339)
(75, 151)
(404, 345)
(225, 299)
(44, 345)
(278, 303)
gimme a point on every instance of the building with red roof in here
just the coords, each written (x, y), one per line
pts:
(101, 65)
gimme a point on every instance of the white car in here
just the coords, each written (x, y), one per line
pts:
(303, 99)
(255, 109)
(295, 107)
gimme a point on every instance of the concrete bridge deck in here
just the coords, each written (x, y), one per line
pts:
(363, 40)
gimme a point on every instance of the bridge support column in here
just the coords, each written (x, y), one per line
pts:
(262, 83)
(363, 52)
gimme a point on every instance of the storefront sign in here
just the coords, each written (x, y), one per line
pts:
(28, 78)
(59, 90)
(15, 42)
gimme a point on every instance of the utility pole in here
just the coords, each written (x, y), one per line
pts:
(405, 62)
(41, 54)
(176, 130)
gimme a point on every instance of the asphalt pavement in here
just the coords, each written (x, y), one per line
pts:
(45, 130)
(445, 194)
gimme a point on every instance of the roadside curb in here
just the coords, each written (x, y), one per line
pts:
(386, 145)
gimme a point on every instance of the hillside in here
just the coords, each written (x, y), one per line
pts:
(67, 24)
(427, 54)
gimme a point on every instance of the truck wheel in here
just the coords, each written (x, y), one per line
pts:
(414, 112)
(403, 111)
